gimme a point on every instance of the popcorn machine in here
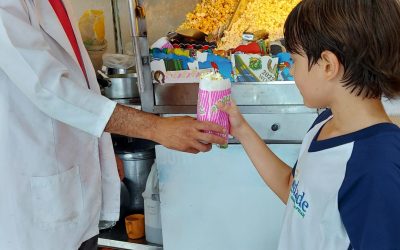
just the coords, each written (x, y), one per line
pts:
(180, 98)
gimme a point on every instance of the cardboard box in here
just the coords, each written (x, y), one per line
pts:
(254, 68)
(162, 76)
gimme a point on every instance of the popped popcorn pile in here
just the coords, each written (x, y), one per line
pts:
(210, 15)
(268, 15)
(211, 76)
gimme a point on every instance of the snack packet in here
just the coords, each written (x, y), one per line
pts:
(213, 89)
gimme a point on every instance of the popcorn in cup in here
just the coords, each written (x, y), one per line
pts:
(213, 89)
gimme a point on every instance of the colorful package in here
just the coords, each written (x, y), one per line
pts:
(212, 89)
(284, 65)
(254, 68)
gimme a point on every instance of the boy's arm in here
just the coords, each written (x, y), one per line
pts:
(276, 174)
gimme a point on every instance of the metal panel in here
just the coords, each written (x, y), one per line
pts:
(252, 98)
(267, 109)
(281, 127)
(126, 245)
(278, 128)
(217, 200)
(244, 94)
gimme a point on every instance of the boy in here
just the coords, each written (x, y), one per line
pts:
(344, 192)
(57, 164)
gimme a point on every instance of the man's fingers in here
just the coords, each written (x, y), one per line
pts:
(202, 147)
(210, 138)
(185, 148)
(209, 126)
(192, 151)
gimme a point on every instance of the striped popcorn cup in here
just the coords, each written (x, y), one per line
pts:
(210, 93)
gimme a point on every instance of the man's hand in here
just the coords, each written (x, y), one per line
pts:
(186, 134)
(179, 133)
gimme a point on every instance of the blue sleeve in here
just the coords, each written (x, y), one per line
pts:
(322, 117)
(369, 198)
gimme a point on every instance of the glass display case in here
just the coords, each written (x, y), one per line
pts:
(151, 19)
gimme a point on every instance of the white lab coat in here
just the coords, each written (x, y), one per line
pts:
(58, 172)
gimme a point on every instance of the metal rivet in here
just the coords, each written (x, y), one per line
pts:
(275, 127)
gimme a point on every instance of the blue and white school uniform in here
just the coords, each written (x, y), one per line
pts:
(346, 191)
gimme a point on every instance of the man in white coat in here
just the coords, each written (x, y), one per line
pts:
(58, 172)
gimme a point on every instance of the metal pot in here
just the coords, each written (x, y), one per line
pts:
(117, 71)
(125, 201)
(137, 167)
(120, 86)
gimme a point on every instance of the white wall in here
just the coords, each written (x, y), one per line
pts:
(162, 16)
(166, 15)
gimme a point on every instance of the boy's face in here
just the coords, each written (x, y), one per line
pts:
(311, 83)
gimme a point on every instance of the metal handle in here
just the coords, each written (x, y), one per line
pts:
(119, 47)
(106, 80)
(135, 44)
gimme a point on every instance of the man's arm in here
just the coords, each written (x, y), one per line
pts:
(179, 133)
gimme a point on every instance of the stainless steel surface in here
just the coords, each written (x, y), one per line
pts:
(135, 40)
(115, 71)
(203, 196)
(122, 86)
(125, 245)
(244, 94)
(291, 126)
(133, 103)
(147, 85)
(137, 167)
(141, 51)
(119, 47)
(267, 109)
(252, 98)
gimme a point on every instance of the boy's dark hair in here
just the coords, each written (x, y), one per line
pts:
(363, 34)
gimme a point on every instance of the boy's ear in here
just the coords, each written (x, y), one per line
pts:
(331, 64)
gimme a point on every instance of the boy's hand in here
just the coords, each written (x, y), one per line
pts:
(238, 123)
